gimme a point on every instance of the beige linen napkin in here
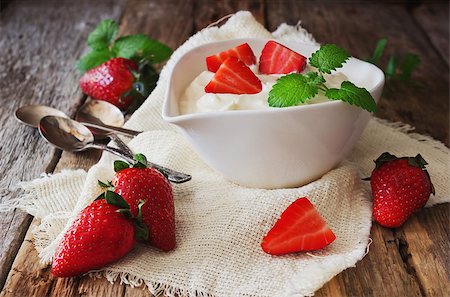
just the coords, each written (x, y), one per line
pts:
(219, 224)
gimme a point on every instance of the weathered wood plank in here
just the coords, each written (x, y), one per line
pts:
(37, 67)
(28, 277)
(402, 103)
(424, 246)
(207, 12)
(433, 18)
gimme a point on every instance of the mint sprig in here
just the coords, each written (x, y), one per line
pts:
(293, 89)
(104, 46)
(353, 95)
(328, 58)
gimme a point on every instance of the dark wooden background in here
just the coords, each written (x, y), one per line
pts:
(41, 40)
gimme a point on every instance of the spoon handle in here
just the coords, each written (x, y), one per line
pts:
(122, 145)
(172, 175)
(109, 128)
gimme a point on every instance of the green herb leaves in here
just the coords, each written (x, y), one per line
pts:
(136, 47)
(293, 89)
(353, 95)
(328, 58)
(103, 35)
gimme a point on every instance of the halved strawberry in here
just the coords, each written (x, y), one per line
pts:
(243, 52)
(300, 228)
(278, 59)
(234, 77)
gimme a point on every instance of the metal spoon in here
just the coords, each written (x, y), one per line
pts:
(69, 135)
(31, 115)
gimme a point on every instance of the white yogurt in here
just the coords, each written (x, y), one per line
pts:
(195, 99)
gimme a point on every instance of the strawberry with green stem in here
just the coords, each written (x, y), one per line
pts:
(102, 233)
(120, 70)
(400, 187)
(137, 182)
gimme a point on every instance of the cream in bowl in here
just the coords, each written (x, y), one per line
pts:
(255, 145)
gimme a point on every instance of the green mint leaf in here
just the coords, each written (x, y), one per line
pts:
(141, 161)
(120, 165)
(139, 47)
(93, 59)
(353, 95)
(379, 49)
(292, 89)
(328, 58)
(115, 199)
(391, 67)
(103, 35)
(409, 64)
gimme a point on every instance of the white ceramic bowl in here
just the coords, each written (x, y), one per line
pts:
(277, 147)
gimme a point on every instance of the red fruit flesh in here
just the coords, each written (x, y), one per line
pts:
(234, 77)
(399, 190)
(300, 228)
(99, 236)
(243, 52)
(158, 211)
(109, 81)
(278, 59)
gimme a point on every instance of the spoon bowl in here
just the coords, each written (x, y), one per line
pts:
(100, 112)
(65, 133)
(30, 115)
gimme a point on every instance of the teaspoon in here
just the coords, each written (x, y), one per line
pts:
(30, 115)
(70, 135)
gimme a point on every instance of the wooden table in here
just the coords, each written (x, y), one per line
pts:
(41, 40)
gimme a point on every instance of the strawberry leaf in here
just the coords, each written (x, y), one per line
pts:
(384, 158)
(328, 58)
(140, 231)
(115, 199)
(141, 161)
(292, 89)
(103, 35)
(139, 215)
(139, 47)
(126, 212)
(353, 95)
(108, 184)
(93, 59)
(120, 165)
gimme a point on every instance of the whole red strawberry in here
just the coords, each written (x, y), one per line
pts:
(140, 183)
(99, 236)
(111, 81)
(400, 187)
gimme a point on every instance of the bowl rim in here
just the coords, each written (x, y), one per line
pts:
(227, 113)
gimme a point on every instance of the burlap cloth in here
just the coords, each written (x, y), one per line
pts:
(219, 224)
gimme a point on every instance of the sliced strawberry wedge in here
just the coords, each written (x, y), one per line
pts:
(278, 59)
(243, 52)
(234, 77)
(300, 228)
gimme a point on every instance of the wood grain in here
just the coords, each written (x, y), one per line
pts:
(36, 67)
(208, 12)
(432, 19)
